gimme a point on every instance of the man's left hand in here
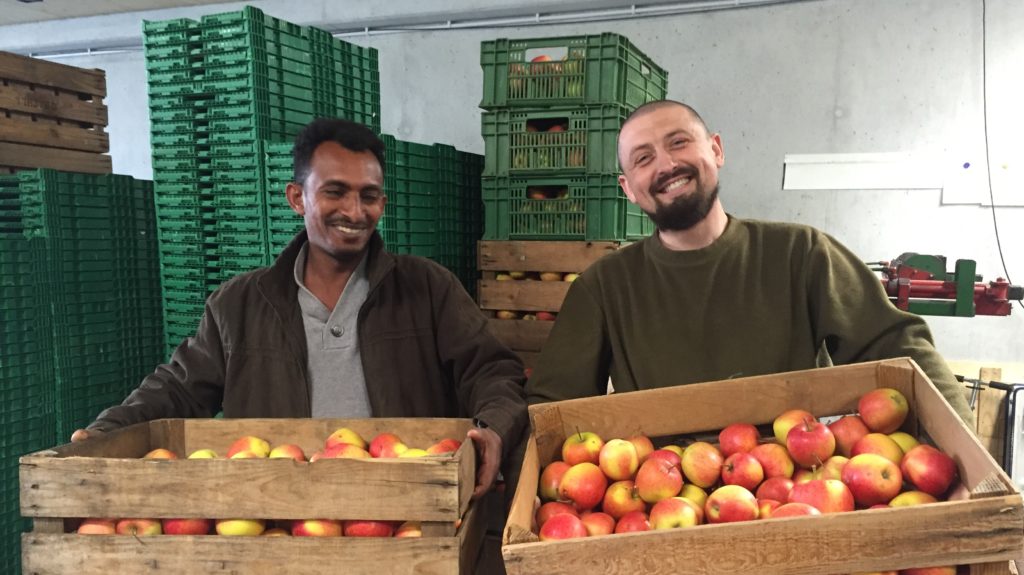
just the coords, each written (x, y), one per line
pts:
(488, 450)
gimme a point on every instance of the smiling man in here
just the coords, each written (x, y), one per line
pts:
(711, 296)
(338, 327)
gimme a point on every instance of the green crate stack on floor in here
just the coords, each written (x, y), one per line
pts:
(220, 88)
(554, 109)
(81, 309)
(459, 212)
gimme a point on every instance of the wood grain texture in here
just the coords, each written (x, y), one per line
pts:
(52, 74)
(522, 295)
(52, 103)
(79, 480)
(541, 256)
(53, 135)
(521, 335)
(27, 156)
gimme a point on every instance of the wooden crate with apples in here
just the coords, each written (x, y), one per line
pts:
(107, 477)
(53, 116)
(981, 525)
(523, 283)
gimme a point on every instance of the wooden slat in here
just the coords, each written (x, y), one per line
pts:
(999, 568)
(26, 156)
(521, 335)
(51, 103)
(863, 541)
(53, 135)
(47, 554)
(71, 481)
(540, 256)
(52, 74)
(990, 409)
(522, 295)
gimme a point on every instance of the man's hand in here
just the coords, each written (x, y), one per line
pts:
(488, 450)
(82, 435)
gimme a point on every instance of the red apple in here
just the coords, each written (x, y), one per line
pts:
(597, 523)
(563, 526)
(833, 467)
(702, 464)
(929, 469)
(351, 451)
(810, 443)
(657, 479)
(160, 453)
(386, 445)
(872, 479)
(618, 460)
(776, 488)
(258, 446)
(632, 522)
(787, 420)
(97, 527)
(345, 435)
(187, 526)
(883, 410)
(804, 475)
(621, 498)
(730, 503)
(742, 469)
(673, 513)
(447, 445)
(583, 485)
(316, 528)
(774, 460)
(546, 315)
(287, 451)
(643, 446)
(365, 528)
(552, 508)
(848, 430)
(794, 510)
(409, 529)
(826, 495)
(550, 479)
(879, 444)
(738, 438)
(582, 447)
(765, 508)
(138, 527)
(669, 455)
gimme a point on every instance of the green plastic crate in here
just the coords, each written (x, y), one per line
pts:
(552, 140)
(594, 69)
(588, 207)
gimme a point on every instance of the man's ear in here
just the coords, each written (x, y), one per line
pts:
(624, 184)
(716, 147)
(293, 192)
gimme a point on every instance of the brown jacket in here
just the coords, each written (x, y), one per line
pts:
(425, 348)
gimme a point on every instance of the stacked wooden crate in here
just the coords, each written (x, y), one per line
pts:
(52, 116)
(551, 197)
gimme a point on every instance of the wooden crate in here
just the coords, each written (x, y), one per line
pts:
(106, 478)
(985, 526)
(527, 337)
(52, 116)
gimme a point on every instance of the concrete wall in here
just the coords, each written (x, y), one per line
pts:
(828, 76)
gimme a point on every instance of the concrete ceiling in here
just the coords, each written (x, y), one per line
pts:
(17, 12)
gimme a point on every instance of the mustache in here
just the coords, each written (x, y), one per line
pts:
(663, 181)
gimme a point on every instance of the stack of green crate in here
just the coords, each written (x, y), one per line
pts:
(410, 182)
(459, 212)
(78, 276)
(219, 88)
(555, 108)
(282, 221)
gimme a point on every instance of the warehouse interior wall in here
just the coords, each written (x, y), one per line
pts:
(813, 77)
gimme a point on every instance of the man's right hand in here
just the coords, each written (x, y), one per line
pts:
(82, 435)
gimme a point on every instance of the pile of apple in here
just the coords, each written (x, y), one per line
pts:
(532, 276)
(809, 468)
(343, 443)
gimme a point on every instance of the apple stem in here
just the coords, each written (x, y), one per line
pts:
(578, 432)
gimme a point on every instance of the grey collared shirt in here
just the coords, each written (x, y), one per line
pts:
(335, 366)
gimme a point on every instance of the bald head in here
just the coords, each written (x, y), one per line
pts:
(653, 107)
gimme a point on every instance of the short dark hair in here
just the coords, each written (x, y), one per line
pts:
(657, 105)
(349, 135)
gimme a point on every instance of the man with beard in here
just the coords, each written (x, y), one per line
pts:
(711, 296)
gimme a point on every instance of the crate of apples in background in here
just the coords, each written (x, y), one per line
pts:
(182, 493)
(893, 482)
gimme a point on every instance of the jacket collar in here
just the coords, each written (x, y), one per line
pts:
(278, 283)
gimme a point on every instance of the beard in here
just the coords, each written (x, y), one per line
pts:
(683, 212)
